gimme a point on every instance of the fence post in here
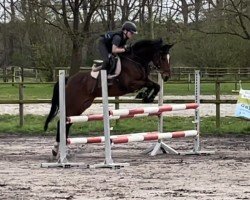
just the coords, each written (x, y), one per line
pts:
(189, 81)
(21, 117)
(13, 75)
(236, 81)
(117, 107)
(217, 90)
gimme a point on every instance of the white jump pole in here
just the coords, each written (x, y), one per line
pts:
(62, 160)
(108, 163)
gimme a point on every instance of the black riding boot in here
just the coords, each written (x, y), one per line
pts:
(105, 65)
(112, 64)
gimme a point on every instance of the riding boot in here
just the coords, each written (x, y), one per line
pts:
(111, 69)
(105, 65)
(112, 65)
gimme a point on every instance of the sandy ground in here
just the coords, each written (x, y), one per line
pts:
(222, 176)
(205, 109)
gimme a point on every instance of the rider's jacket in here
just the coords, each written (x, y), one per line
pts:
(109, 39)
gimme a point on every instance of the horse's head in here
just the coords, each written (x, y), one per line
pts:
(155, 51)
(161, 60)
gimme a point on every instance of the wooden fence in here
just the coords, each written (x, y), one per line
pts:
(18, 74)
(217, 101)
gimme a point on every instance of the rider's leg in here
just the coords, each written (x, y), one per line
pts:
(104, 54)
(112, 63)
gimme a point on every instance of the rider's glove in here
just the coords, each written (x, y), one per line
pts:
(127, 48)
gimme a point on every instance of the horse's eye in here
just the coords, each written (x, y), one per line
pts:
(164, 58)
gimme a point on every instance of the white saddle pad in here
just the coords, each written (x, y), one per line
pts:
(95, 74)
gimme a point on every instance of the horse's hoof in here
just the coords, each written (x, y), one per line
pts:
(141, 95)
(54, 153)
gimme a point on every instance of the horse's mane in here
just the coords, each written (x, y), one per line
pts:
(155, 44)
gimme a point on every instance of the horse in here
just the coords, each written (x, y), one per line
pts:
(136, 65)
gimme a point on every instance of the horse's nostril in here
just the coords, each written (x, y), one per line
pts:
(166, 78)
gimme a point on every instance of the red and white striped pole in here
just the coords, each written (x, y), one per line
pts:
(132, 113)
(134, 137)
(151, 110)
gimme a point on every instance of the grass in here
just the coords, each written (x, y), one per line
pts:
(44, 91)
(206, 89)
(34, 126)
(31, 91)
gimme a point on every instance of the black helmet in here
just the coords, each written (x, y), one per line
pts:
(129, 26)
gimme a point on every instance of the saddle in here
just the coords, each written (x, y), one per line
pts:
(113, 70)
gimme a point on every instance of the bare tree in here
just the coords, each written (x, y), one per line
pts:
(9, 18)
(233, 16)
(107, 12)
(74, 18)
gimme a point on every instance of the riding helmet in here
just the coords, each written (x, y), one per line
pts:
(129, 26)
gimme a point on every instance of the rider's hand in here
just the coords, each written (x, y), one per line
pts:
(127, 48)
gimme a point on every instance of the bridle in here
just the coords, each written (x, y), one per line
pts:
(161, 56)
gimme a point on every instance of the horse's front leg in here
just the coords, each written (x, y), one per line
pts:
(151, 92)
(142, 93)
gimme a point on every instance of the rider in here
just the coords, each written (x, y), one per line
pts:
(112, 43)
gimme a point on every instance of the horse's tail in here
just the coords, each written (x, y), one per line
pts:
(54, 105)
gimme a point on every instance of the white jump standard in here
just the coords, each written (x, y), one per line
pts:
(62, 160)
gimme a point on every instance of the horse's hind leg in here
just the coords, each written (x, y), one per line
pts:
(56, 145)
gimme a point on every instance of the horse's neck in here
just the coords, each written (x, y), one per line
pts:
(135, 62)
(140, 59)
(145, 55)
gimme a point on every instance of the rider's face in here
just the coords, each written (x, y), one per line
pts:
(129, 34)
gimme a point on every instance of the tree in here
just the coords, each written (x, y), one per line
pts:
(231, 17)
(76, 16)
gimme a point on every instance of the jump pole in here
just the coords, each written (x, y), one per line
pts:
(108, 163)
(133, 137)
(132, 113)
(62, 160)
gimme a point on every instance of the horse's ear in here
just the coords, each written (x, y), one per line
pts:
(170, 46)
(166, 47)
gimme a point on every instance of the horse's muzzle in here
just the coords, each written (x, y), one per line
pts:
(165, 76)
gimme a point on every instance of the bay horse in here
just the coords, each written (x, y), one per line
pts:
(82, 88)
